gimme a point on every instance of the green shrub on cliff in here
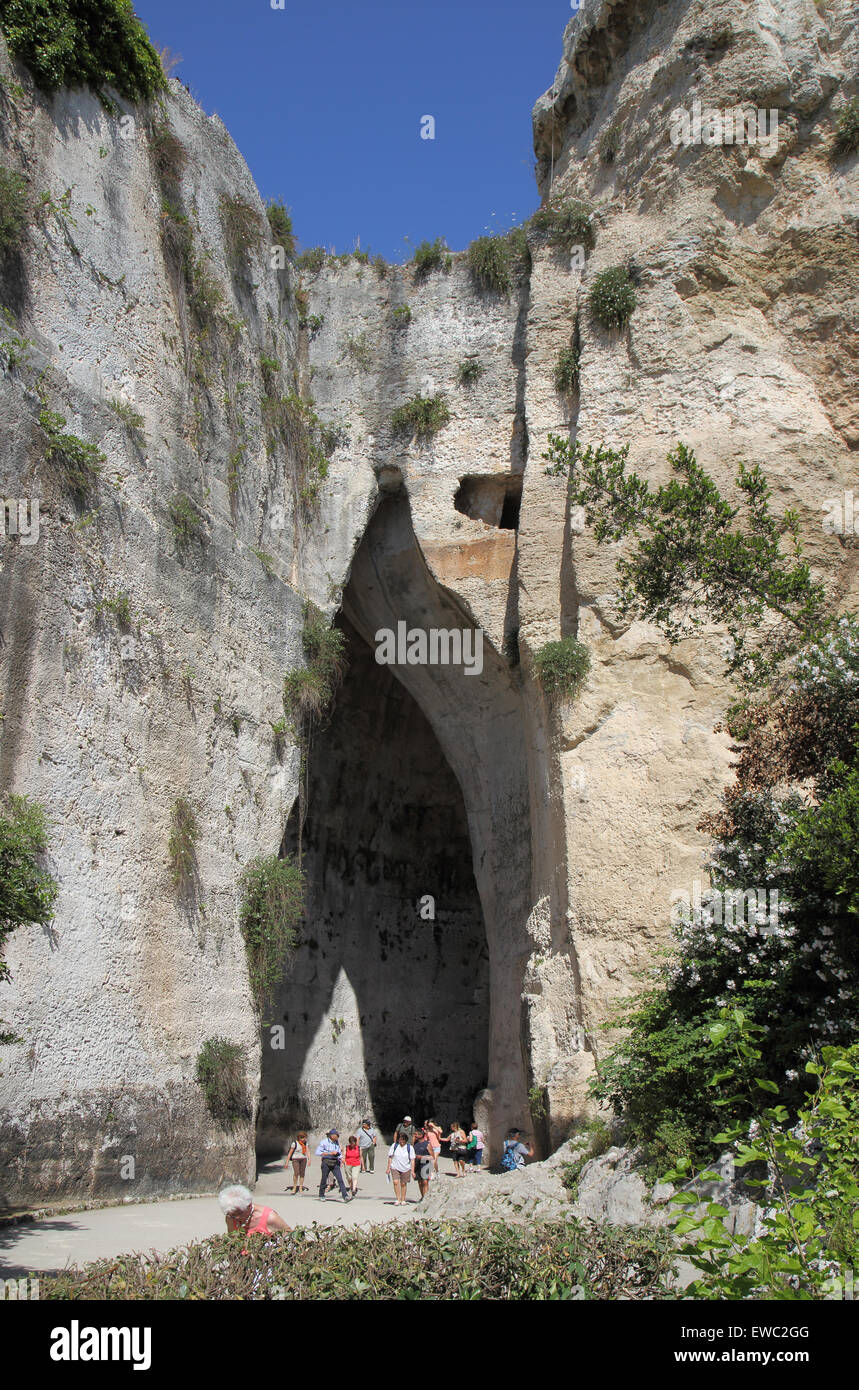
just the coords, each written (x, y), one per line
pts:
(421, 417)
(13, 210)
(27, 890)
(489, 263)
(612, 297)
(220, 1071)
(272, 903)
(561, 667)
(83, 43)
(847, 130)
(308, 691)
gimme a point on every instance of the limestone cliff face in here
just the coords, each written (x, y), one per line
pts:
(551, 840)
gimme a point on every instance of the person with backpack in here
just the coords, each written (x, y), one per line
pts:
(401, 1166)
(367, 1145)
(475, 1147)
(515, 1152)
(297, 1152)
(332, 1155)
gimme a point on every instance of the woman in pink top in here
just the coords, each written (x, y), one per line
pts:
(434, 1139)
(242, 1213)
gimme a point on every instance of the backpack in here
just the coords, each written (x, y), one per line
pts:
(508, 1162)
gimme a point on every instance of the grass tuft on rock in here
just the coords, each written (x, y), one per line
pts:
(421, 417)
(562, 667)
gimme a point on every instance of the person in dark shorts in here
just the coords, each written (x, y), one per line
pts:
(458, 1141)
(423, 1161)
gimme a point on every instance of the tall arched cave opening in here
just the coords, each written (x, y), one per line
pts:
(404, 995)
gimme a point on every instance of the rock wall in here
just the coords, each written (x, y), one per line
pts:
(581, 819)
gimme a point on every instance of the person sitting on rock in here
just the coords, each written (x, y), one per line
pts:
(515, 1152)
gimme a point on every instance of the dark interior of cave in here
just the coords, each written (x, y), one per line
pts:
(384, 831)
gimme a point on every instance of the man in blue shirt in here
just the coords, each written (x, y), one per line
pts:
(331, 1154)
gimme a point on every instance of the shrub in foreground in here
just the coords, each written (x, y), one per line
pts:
(432, 1260)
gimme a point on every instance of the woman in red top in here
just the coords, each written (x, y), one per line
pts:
(242, 1213)
(353, 1163)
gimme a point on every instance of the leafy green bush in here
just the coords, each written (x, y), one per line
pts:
(182, 842)
(272, 903)
(566, 223)
(242, 228)
(567, 370)
(789, 823)
(489, 264)
(312, 260)
(97, 44)
(421, 417)
(220, 1071)
(187, 520)
(561, 667)
(402, 316)
(612, 297)
(438, 1260)
(806, 1243)
(280, 222)
(13, 210)
(80, 462)
(27, 891)
(429, 256)
(308, 692)
(469, 370)
(847, 130)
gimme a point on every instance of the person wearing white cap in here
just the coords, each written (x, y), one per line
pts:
(407, 1128)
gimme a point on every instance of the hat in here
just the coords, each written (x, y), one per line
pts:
(407, 1120)
(333, 1131)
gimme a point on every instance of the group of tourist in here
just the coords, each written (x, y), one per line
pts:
(414, 1154)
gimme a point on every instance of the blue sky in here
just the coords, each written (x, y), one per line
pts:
(325, 102)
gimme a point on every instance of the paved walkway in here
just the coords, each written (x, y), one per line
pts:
(78, 1237)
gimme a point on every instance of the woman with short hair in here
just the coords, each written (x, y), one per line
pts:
(242, 1213)
(401, 1166)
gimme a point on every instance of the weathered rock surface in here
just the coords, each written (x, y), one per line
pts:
(581, 819)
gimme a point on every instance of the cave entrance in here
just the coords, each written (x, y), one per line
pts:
(385, 1005)
(405, 995)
